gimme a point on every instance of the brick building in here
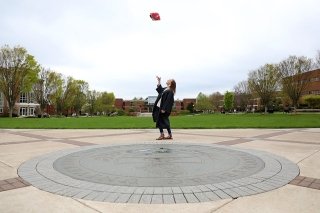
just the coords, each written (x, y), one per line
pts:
(186, 102)
(313, 87)
(147, 104)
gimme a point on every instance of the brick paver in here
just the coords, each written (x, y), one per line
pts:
(12, 183)
(306, 182)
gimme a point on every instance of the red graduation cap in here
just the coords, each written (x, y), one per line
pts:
(155, 16)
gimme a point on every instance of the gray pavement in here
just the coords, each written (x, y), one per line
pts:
(274, 170)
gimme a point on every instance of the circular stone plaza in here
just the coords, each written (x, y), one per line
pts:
(205, 169)
(158, 173)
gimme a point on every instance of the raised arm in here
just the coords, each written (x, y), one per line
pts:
(159, 80)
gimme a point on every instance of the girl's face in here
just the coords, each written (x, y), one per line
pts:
(168, 83)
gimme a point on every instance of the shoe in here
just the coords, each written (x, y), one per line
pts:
(161, 137)
(169, 137)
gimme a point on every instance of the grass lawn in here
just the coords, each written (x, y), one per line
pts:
(210, 121)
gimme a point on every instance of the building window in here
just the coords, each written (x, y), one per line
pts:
(314, 79)
(26, 111)
(23, 111)
(23, 98)
(1, 110)
(31, 111)
(31, 98)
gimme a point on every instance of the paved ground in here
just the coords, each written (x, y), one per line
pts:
(300, 146)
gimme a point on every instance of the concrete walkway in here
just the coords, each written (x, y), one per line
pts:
(300, 146)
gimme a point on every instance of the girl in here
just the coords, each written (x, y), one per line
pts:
(163, 106)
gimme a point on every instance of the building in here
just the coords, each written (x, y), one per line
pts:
(131, 105)
(186, 102)
(312, 78)
(147, 104)
(313, 87)
(118, 103)
(25, 105)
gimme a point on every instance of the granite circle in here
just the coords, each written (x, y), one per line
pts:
(158, 173)
(148, 165)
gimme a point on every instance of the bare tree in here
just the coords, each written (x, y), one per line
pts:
(44, 87)
(242, 95)
(317, 61)
(295, 77)
(217, 100)
(264, 83)
(18, 71)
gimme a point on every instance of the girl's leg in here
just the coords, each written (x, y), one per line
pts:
(169, 134)
(161, 134)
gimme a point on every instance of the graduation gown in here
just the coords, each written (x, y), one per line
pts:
(167, 100)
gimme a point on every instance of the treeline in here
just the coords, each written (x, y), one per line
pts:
(21, 73)
(274, 85)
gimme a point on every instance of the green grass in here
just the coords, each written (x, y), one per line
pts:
(177, 122)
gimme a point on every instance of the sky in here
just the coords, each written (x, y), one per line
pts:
(205, 45)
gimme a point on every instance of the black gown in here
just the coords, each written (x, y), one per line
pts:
(166, 104)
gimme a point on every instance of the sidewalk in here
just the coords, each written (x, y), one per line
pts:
(301, 146)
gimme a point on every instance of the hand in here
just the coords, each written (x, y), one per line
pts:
(158, 78)
(162, 111)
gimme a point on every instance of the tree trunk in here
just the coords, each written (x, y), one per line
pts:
(41, 112)
(10, 112)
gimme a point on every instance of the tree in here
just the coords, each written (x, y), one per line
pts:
(317, 61)
(242, 95)
(203, 102)
(92, 96)
(56, 80)
(79, 96)
(18, 71)
(228, 101)
(295, 77)
(137, 99)
(64, 94)
(190, 107)
(105, 102)
(44, 87)
(264, 83)
(216, 99)
(68, 94)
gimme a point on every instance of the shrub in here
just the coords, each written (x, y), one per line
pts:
(121, 112)
(312, 100)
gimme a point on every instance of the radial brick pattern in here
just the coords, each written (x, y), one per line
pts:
(158, 173)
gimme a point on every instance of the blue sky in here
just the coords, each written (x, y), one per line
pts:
(206, 46)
